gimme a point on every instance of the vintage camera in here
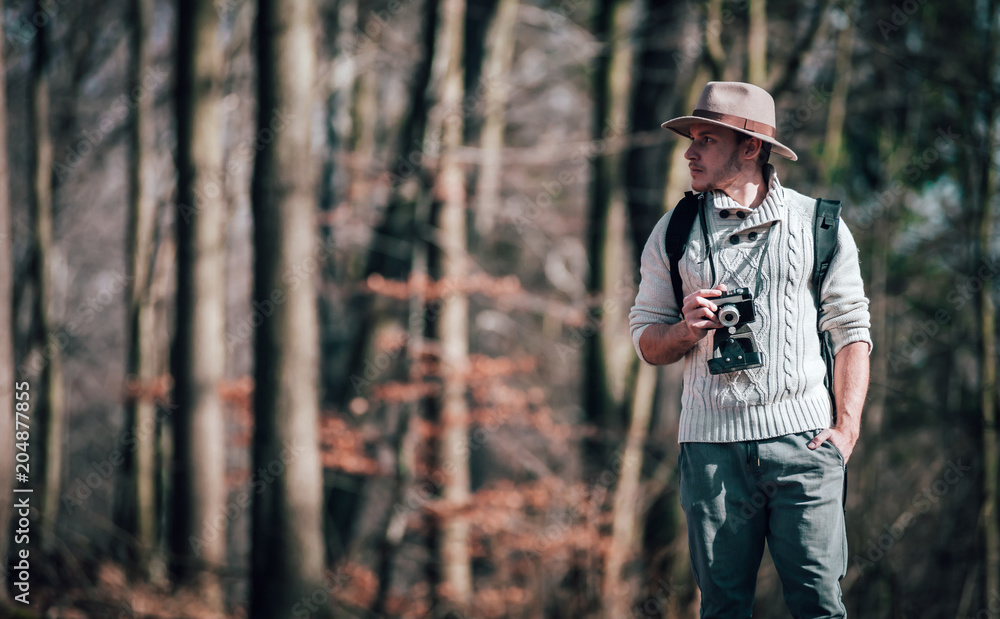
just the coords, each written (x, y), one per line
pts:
(735, 308)
(734, 345)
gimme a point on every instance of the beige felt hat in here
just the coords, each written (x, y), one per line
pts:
(742, 107)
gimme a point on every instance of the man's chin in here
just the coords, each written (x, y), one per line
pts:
(699, 185)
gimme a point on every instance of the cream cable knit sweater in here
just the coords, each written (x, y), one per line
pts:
(786, 395)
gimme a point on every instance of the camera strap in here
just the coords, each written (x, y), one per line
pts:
(711, 260)
(826, 223)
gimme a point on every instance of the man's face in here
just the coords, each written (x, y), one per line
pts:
(713, 157)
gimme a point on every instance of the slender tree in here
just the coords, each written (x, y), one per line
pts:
(496, 75)
(453, 322)
(50, 405)
(611, 364)
(988, 337)
(7, 425)
(287, 556)
(669, 74)
(609, 357)
(136, 498)
(832, 144)
(199, 494)
(757, 42)
(405, 441)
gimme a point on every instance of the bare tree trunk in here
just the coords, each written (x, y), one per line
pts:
(288, 551)
(610, 359)
(365, 147)
(135, 512)
(453, 323)
(678, 176)
(406, 441)
(782, 76)
(7, 410)
(873, 455)
(715, 54)
(199, 359)
(832, 144)
(496, 76)
(664, 68)
(50, 405)
(625, 526)
(399, 225)
(987, 326)
(757, 43)
(988, 335)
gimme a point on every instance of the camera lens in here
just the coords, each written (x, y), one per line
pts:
(729, 315)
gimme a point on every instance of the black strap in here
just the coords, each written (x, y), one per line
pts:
(678, 232)
(825, 234)
(825, 230)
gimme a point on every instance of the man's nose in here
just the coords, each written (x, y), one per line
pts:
(690, 153)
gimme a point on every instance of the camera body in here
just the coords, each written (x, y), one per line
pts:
(734, 344)
(735, 308)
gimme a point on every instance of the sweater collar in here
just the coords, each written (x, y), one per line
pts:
(770, 210)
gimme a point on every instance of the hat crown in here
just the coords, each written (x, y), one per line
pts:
(742, 107)
(738, 99)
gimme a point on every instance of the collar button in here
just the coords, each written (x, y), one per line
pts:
(724, 213)
(734, 239)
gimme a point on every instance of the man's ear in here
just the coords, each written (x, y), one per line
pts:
(751, 148)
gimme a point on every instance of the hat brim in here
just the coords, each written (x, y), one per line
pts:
(681, 126)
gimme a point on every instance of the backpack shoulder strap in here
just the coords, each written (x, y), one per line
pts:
(825, 231)
(678, 232)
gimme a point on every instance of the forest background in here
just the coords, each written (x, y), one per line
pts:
(319, 307)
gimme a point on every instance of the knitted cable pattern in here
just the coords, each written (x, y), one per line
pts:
(785, 395)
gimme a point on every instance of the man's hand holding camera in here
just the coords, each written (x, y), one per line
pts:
(699, 311)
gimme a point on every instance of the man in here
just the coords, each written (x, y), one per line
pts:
(763, 453)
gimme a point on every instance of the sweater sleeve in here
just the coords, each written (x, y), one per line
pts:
(843, 304)
(654, 303)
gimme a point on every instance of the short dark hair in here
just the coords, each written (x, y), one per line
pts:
(765, 147)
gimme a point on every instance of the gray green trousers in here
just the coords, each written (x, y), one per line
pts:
(736, 496)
